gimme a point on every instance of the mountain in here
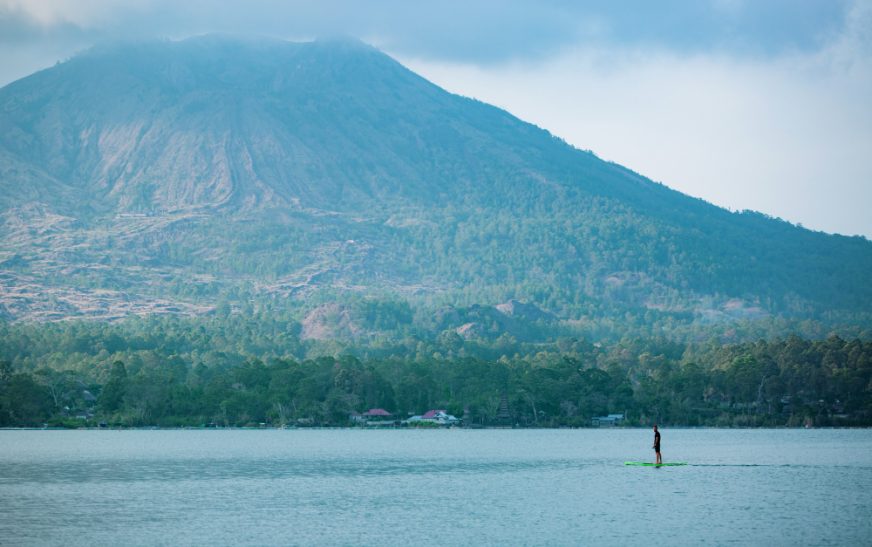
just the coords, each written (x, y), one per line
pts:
(222, 174)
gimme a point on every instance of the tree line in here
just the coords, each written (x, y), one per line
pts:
(210, 378)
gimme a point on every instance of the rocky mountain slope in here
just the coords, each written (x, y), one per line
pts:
(218, 172)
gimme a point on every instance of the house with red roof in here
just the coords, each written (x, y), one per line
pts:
(377, 413)
(377, 416)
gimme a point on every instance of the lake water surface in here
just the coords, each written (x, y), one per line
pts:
(445, 487)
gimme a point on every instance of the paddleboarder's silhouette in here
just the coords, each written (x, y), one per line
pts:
(657, 445)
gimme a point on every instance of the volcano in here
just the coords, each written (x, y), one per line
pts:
(248, 174)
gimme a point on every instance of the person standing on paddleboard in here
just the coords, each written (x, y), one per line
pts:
(657, 444)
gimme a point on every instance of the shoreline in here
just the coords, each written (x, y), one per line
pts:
(400, 428)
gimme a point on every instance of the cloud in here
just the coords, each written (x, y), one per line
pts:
(484, 30)
(79, 13)
(35, 34)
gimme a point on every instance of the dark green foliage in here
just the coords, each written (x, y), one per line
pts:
(112, 395)
(23, 400)
(226, 373)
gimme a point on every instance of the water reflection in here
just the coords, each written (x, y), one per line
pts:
(214, 469)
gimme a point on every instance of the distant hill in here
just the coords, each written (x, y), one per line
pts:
(221, 173)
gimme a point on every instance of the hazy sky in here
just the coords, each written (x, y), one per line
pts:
(749, 104)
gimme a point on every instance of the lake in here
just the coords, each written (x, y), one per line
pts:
(435, 487)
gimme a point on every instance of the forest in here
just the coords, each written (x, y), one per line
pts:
(175, 373)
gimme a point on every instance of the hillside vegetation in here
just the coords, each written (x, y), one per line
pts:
(179, 373)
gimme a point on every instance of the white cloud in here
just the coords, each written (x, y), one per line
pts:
(81, 13)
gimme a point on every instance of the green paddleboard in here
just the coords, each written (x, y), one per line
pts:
(649, 464)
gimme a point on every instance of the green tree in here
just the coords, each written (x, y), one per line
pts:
(112, 396)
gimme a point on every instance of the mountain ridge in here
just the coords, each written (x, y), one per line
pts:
(219, 169)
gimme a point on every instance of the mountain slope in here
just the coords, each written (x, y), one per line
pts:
(225, 170)
(212, 122)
